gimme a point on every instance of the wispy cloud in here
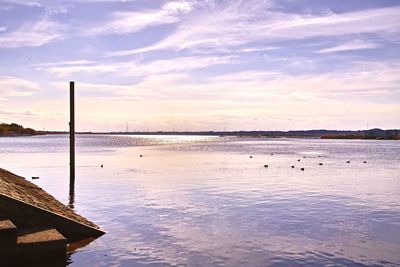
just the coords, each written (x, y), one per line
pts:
(240, 99)
(100, 1)
(365, 79)
(13, 114)
(23, 2)
(235, 25)
(14, 86)
(63, 63)
(258, 49)
(350, 46)
(32, 34)
(131, 68)
(128, 22)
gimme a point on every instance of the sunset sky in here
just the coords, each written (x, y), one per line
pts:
(201, 65)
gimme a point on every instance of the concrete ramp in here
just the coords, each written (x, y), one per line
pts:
(27, 205)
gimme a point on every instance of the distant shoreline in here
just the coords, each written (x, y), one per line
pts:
(15, 130)
(373, 134)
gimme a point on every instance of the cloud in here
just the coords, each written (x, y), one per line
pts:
(245, 99)
(123, 69)
(13, 114)
(100, 1)
(175, 7)
(148, 88)
(23, 3)
(129, 22)
(363, 82)
(48, 7)
(63, 63)
(258, 49)
(350, 46)
(32, 34)
(246, 22)
(13, 86)
(248, 99)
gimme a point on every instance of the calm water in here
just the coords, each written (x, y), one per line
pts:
(202, 201)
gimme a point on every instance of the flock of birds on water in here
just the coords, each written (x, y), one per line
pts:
(266, 165)
(302, 168)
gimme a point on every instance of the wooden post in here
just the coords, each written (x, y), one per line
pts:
(72, 135)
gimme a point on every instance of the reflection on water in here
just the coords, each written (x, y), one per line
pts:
(203, 201)
(34, 261)
(71, 196)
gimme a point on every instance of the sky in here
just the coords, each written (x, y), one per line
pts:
(201, 65)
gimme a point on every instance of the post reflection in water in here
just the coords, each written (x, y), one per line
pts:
(71, 197)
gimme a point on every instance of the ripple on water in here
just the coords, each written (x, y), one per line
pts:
(203, 202)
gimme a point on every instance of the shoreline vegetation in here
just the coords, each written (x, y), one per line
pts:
(13, 129)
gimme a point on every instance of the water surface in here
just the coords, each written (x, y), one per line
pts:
(203, 201)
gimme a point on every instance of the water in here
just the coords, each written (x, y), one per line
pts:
(202, 201)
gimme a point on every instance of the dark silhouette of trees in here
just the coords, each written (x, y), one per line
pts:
(14, 129)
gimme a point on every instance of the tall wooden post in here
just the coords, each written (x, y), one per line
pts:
(72, 135)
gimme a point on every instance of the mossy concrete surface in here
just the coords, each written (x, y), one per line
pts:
(27, 205)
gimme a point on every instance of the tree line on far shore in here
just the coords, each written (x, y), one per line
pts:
(14, 129)
(377, 134)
